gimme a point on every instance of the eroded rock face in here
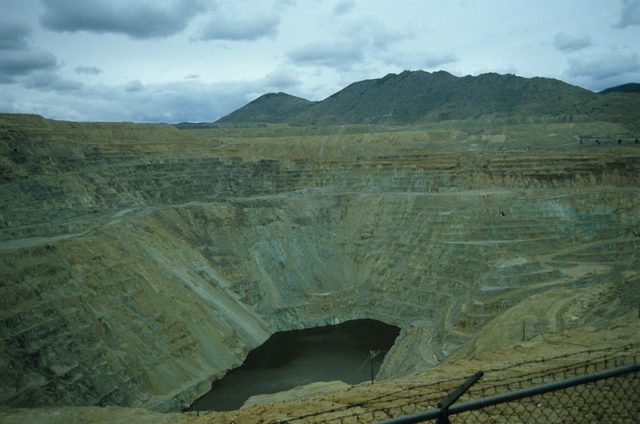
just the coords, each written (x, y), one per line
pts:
(138, 262)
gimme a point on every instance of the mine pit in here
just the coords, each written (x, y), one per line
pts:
(136, 278)
(351, 352)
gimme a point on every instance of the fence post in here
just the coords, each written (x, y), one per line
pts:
(444, 417)
(372, 356)
(448, 400)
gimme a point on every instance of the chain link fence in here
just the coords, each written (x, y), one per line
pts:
(618, 397)
(611, 400)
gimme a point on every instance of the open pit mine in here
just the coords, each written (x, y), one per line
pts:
(140, 263)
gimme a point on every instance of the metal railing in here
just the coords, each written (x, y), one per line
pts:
(616, 396)
(451, 398)
(617, 401)
(413, 398)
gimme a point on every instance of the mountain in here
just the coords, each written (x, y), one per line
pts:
(632, 87)
(412, 97)
(271, 107)
(417, 96)
(614, 106)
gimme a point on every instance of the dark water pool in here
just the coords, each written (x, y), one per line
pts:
(294, 358)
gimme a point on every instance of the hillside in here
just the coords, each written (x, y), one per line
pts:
(615, 106)
(631, 87)
(271, 107)
(413, 97)
(416, 96)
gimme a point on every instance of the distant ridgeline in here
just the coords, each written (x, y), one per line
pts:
(413, 97)
(624, 88)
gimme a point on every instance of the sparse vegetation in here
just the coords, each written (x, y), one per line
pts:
(419, 97)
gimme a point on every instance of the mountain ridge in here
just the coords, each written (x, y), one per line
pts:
(632, 87)
(270, 107)
(413, 97)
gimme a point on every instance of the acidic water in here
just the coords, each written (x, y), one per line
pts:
(295, 358)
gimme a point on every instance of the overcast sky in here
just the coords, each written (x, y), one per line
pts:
(197, 60)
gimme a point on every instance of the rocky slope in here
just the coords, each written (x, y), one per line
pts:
(138, 262)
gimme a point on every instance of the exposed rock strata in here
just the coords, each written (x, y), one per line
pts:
(139, 262)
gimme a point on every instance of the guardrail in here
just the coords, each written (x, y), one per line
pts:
(412, 398)
(622, 397)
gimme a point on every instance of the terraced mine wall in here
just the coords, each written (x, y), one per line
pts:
(140, 262)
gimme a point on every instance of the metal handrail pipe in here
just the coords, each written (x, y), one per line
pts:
(515, 395)
(446, 401)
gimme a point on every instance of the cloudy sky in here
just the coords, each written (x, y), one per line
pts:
(197, 60)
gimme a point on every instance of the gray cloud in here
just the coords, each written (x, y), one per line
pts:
(420, 60)
(44, 80)
(374, 33)
(630, 14)
(343, 7)
(8, 104)
(15, 64)
(18, 59)
(568, 43)
(356, 43)
(184, 101)
(133, 86)
(191, 100)
(603, 67)
(247, 28)
(331, 54)
(280, 80)
(14, 36)
(88, 70)
(432, 60)
(177, 101)
(140, 19)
